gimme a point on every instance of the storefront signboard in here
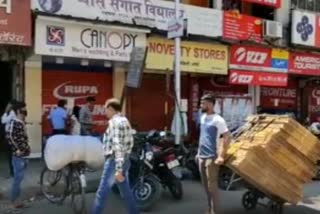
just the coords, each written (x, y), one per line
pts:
(15, 22)
(260, 59)
(304, 64)
(279, 97)
(241, 27)
(195, 56)
(257, 78)
(151, 13)
(305, 28)
(57, 37)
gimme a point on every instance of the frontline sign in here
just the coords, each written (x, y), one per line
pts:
(57, 37)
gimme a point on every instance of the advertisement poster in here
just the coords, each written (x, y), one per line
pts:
(57, 37)
(305, 28)
(279, 97)
(195, 56)
(253, 58)
(15, 22)
(304, 64)
(75, 87)
(241, 27)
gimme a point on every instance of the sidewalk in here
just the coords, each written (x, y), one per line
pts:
(31, 183)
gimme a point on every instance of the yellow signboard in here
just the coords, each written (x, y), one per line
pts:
(195, 57)
(280, 54)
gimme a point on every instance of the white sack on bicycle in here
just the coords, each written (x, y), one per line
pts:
(61, 150)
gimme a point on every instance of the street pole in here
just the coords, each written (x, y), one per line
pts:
(177, 78)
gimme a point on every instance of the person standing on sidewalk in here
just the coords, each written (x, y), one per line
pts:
(212, 150)
(118, 143)
(85, 117)
(6, 118)
(58, 118)
(18, 141)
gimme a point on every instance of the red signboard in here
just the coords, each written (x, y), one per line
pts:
(257, 78)
(241, 27)
(75, 87)
(15, 22)
(279, 97)
(304, 64)
(250, 58)
(314, 104)
(271, 3)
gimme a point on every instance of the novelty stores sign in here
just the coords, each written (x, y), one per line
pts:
(57, 37)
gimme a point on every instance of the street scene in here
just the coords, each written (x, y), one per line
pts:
(159, 106)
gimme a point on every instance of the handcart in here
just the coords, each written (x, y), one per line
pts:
(254, 197)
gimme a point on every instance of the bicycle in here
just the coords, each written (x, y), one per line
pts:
(71, 181)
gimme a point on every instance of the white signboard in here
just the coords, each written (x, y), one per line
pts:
(57, 37)
(150, 13)
(204, 21)
(175, 28)
(304, 28)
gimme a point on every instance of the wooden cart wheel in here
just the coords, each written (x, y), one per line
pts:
(249, 200)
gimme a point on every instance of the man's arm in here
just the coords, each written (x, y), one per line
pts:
(223, 144)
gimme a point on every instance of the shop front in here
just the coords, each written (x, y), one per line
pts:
(77, 60)
(305, 67)
(261, 69)
(200, 60)
(15, 44)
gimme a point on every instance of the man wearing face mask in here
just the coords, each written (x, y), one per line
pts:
(18, 141)
(212, 150)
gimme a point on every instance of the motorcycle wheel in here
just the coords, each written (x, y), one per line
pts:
(176, 189)
(147, 192)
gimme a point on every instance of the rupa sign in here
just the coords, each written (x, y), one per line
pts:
(57, 37)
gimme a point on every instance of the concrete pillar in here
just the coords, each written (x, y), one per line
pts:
(33, 99)
(119, 78)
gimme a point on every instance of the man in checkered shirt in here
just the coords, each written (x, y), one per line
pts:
(118, 143)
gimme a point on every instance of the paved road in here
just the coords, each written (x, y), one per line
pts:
(193, 203)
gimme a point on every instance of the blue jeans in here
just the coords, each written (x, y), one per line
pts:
(19, 165)
(107, 181)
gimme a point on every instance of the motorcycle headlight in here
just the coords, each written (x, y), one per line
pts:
(149, 156)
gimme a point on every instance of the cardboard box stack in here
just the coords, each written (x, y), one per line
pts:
(276, 155)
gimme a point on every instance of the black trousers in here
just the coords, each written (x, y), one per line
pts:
(59, 131)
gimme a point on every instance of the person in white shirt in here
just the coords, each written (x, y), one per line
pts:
(6, 118)
(76, 127)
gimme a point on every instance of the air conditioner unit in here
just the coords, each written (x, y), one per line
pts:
(272, 29)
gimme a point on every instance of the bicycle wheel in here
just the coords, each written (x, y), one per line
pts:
(54, 185)
(78, 192)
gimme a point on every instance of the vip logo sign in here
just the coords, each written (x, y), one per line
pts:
(237, 78)
(55, 35)
(250, 57)
(316, 95)
(257, 78)
(258, 59)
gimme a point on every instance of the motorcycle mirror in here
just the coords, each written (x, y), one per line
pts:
(162, 134)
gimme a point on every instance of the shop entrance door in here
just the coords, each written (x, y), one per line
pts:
(6, 76)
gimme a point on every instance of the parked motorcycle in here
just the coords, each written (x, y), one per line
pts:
(146, 186)
(166, 164)
(315, 129)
